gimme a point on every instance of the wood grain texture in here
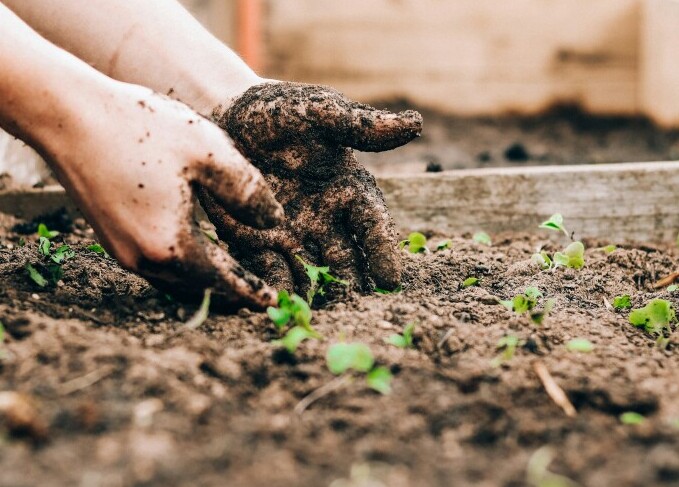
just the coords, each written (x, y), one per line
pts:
(616, 201)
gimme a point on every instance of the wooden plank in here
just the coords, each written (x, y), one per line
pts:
(615, 201)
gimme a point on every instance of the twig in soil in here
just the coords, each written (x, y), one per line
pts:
(84, 381)
(321, 392)
(554, 391)
(445, 338)
(666, 281)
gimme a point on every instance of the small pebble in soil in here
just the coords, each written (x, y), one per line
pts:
(517, 153)
(35, 296)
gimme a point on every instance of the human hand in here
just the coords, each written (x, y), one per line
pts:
(132, 160)
(300, 136)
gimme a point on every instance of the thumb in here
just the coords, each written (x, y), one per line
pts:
(240, 188)
(373, 130)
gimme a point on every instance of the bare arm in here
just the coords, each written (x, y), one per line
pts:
(154, 43)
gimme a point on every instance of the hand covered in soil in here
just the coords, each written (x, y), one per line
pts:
(132, 167)
(301, 137)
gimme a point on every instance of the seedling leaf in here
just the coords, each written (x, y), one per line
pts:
(543, 260)
(555, 222)
(44, 246)
(580, 345)
(632, 418)
(35, 275)
(672, 288)
(446, 244)
(98, 249)
(62, 254)
(482, 238)
(622, 302)
(291, 308)
(508, 344)
(294, 337)
(470, 281)
(405, 340)
(386, 291)
(202, 312)
(539, 317)
(609, 249)
(319, 277)
(379, 379)
(653, 317)
(45, 232)
(416, 243)
(349, 356)
(573, 256)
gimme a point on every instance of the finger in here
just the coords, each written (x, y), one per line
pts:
(239, 187)
(340, 255)
(273, 268)
(369, 218)
(373, 130)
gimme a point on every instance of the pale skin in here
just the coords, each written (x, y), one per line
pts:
(131, 158)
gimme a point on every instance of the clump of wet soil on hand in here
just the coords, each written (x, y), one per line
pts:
(130, 397)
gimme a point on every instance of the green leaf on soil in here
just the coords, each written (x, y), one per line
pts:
(622, 302)
(470, 281)
(405, 340)
(539, 316)
(482, 238)
(543, 260)
(291, 308)
(631, 417)
(349, 356)
(416, 243)
(35, 275)
(508, 345)
(320, 277)
(62, 254)
(98, 249)
(379, 290)
(672, 288)
(44, 246)
(580, 345)
(202, 313)
(609, 249)
(294, 337)
(555, 222)
(446, 244)
(573, 256)
(654, 317)
(379, 379)
(45, 232)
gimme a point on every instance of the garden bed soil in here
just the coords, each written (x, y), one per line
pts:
(124, 395)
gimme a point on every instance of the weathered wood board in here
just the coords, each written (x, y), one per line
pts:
(631, 201)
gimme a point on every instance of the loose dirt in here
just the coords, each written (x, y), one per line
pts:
(123, 395)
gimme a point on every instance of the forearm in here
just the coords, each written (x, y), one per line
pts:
(154, 43)
(41, 86)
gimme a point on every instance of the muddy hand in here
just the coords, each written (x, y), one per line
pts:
(301, 137)
(135, 184)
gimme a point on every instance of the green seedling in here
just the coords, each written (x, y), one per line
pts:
(291, 309)
(294, 337)
(609, 249)
(622, 302)
(573, 256)
(43, 231)
(35, 275)
(631, 418)
(469, 282)
(482, 238)
(55, 259)
(405, 340)
(379, 290)
(539, 316)
(320, 277)
(98, 249)
(202, 313)
(526, 303)
(22, 242)
(555, 222)
(446, 244)
(656, 316)
(538, 474)
(672, 288)
(543, 260)
(357, 357)
(416, 243)
(508, 344)
(581, 345)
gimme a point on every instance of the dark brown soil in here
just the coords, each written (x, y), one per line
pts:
(131, 398)
(563, 135)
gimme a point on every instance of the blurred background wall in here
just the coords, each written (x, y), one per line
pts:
(469, 56)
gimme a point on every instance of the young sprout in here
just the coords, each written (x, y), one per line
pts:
(35, 275)
(539, 316)
(672, 288)
(543, 260)
(609, 249)
(416, 243)
(508, 344)
(631, 418)
(657, 315)
(294, 337)
(573, 256)
(622, 302)
(344, 357)
(98, 249)
(379, 290)
(405, 340)
(320, 277)
(581, 345)
(470, 281)
(202, 313)
(446, 244)
(482, 238)
(526, 302)
(290, 309)
(538, 474)
(45, 232)
(555, 222)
